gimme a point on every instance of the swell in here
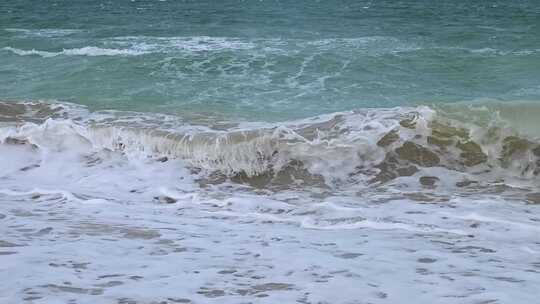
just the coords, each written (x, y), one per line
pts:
(467, 146)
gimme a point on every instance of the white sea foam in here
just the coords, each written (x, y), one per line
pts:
(192, 44)
(334, 146)
(46, 33)
(20, 52)
(89, 200)
(135, 46)
(195, 45)
(84, 51)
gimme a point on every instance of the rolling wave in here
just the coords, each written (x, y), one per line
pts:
(426, 146)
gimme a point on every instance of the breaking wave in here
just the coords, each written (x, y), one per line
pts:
(460, 147)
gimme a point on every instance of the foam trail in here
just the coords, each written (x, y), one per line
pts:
(90, 51)
(49, 33)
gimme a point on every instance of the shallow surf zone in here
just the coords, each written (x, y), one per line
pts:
(436, 203)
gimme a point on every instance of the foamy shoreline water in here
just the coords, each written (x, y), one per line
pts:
(128, 207)
(193, 252)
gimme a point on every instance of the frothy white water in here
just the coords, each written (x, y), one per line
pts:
(207, 249)
(136, 46)
(190, 44)
(84, 51)
(327, 145)
(89, 200)
(46, 33)
(356, 148)
(197, 45)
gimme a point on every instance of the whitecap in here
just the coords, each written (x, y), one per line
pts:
(90, 51)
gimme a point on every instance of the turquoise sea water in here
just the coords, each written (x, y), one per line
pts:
(268, 60)
(313, 152)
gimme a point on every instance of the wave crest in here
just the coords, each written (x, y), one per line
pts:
(367, 147)
(84, 51)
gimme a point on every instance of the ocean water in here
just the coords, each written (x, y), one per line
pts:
(269, 151)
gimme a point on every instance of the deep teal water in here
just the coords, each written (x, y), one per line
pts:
(268, 60)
